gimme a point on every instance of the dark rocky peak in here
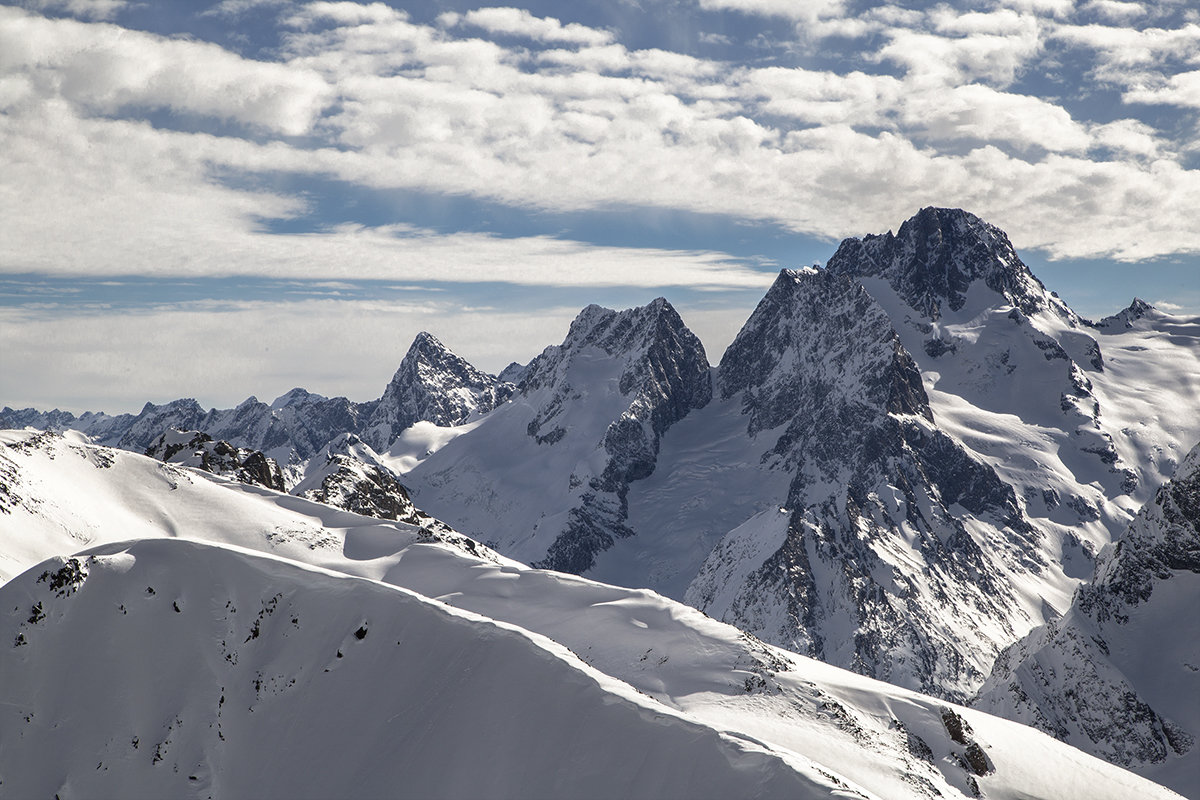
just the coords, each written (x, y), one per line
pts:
(661, 373)
(432, 366)
(1127, 316)
(663, 366)
(432, 384)
(185, 405)
(817, 334)
(935, 259)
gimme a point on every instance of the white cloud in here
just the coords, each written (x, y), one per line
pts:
(1044, 8)
(946, 60)
(1116, 10)
(570, 129)
(1129, 136)
(107, 69)
(1182, 89)
(519, 22)
(1121, 47)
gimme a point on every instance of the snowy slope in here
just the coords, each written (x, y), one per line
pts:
(684, 705)
(60, 493)
(1119, 674)
(171, 668)
(1084, 421)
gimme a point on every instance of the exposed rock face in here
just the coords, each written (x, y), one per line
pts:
(347, 474)
(1119, 674)
(434, 385)
(936, 257)
(875, 570)
(663, 374)
(196, 449)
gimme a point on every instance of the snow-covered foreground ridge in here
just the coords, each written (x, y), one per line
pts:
(302, 651)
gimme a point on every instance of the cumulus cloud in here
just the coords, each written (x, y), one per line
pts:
(1182, 89)
(519, 22)
(1116, 10)
(107, 69)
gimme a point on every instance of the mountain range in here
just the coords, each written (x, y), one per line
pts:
(916, 463)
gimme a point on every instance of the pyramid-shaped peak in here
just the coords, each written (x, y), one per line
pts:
(938, 256)
(426, 345)
(292, 397)
(1127, 316)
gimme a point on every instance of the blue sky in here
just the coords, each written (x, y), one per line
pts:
(222, 199)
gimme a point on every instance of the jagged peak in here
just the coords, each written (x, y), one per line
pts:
(812, 321)
(627, 330)
(428, 349)
(425, 343)
(937, 256)
(188, 403)
(1127, 316)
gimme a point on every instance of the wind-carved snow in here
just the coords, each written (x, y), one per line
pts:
(215, 673)
(132, 496)
(1119, 675)
(213, 670)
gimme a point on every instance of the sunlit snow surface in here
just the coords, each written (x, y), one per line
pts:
(184, 669)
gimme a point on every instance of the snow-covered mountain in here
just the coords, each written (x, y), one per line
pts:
(432, 385)
(868, 564)
(910, 460)
(348, 474)
(546, 477)
(1119, 674)
(289, 649)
